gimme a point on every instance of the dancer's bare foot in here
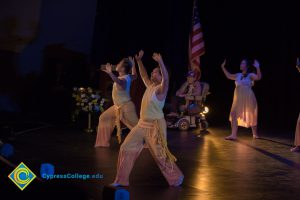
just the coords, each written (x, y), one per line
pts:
(297, 148)
(179, 181)
(256, 137)
(230, 137)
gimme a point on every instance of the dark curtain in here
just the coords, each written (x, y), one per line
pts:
(266, 31)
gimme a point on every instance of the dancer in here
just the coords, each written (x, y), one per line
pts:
(151, 128)
(297, 132)
(244, 107)
(123, 109)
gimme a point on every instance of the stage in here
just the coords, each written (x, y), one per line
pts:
(57, 59)
(213, 167)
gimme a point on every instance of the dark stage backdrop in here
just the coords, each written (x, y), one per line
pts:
(41, 39)
(268, 32)
(45, 49)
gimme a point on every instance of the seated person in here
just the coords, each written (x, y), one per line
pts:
(186, 93)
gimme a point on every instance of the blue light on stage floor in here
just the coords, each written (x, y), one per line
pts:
(46, 169)
(7, 150)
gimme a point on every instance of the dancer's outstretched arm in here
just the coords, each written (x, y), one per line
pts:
(133, 69)
(227, 74)
(142, 69)
(163, 89)
(257, 76)
(120, 82)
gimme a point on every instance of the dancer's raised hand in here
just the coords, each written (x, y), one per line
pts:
(140, 55)
(256, 64)
(108, 68)
(157, 57)
(223, 63)
(131, 59)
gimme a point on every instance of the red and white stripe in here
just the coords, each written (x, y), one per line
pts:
(196, 45)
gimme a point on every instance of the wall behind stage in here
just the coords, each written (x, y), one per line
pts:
(66, 22)
(40, 39)
(26, 27)
(19, 21)
(266, 31)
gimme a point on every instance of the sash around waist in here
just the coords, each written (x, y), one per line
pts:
(123, 103)
(148, 123)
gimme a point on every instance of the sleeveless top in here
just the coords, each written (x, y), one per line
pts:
(121, 96)
(151, 107)
(243, 81)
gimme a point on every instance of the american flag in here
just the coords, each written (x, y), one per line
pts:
(196, 44)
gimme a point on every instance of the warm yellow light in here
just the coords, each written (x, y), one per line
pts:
(206, 110)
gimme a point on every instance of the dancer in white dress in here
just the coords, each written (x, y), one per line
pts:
(297, 132)
(244, 107)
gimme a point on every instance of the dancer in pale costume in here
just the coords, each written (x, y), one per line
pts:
(297, 132)
(123, 109)
(244, 107)
(151, 128)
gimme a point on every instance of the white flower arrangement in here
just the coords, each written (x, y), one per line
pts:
(87, 100)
